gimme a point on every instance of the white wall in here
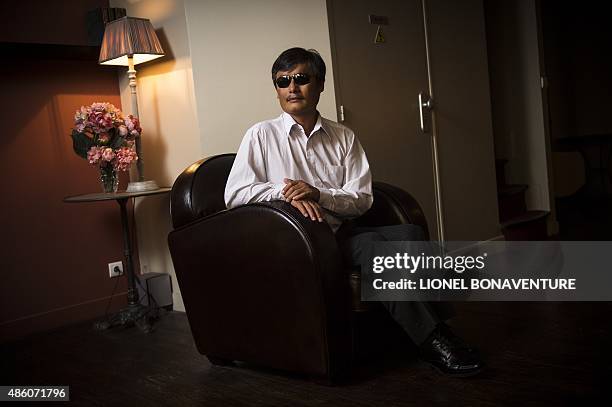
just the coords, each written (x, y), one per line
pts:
(233, 45)
(213, 83)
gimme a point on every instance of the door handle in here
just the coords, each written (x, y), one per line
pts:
(425, 103)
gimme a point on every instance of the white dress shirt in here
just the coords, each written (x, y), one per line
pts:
(330, 159)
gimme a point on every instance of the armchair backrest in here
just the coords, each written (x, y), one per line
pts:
(199, 190)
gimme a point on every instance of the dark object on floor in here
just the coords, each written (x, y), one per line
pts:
(155, 290)
(262, 284)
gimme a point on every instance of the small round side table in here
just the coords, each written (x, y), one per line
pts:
(134, 312)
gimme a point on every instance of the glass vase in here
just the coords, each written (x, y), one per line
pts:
(109, 179)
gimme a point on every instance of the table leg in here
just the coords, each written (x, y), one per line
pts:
(132, 293)
(134, 312)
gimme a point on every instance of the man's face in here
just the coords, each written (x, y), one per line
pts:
(299, 100)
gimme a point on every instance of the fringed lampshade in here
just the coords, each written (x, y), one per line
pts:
(129, 36)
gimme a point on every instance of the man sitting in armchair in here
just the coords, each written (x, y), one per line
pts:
(320, 168)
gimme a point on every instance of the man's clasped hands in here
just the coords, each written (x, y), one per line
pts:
(304, 197)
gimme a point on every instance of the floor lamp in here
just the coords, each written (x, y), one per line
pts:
(130, 41)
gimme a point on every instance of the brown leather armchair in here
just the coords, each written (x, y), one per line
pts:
(261, 283)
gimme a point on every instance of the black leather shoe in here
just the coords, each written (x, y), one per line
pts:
(448, 354)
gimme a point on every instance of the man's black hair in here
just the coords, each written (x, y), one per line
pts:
(294, 56)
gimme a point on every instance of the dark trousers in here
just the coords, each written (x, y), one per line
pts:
(418, 319)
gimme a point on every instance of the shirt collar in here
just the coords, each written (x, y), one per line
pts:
(289, 122)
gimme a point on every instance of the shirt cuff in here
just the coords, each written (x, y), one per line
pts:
(326, 199)
(277, 193)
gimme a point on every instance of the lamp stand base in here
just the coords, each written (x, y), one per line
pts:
(140, 186)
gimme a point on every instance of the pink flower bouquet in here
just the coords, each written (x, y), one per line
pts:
(104, 137)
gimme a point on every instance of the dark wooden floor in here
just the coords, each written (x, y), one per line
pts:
(537, 354)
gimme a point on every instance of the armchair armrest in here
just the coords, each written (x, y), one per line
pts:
(198, 190)
(393, 206)
(270, 278)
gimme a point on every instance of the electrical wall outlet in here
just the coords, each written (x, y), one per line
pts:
(115, 269)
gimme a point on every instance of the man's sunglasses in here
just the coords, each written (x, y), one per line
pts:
(299, 79)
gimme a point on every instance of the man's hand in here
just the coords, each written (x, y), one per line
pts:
(309, 208)
(300, 190)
